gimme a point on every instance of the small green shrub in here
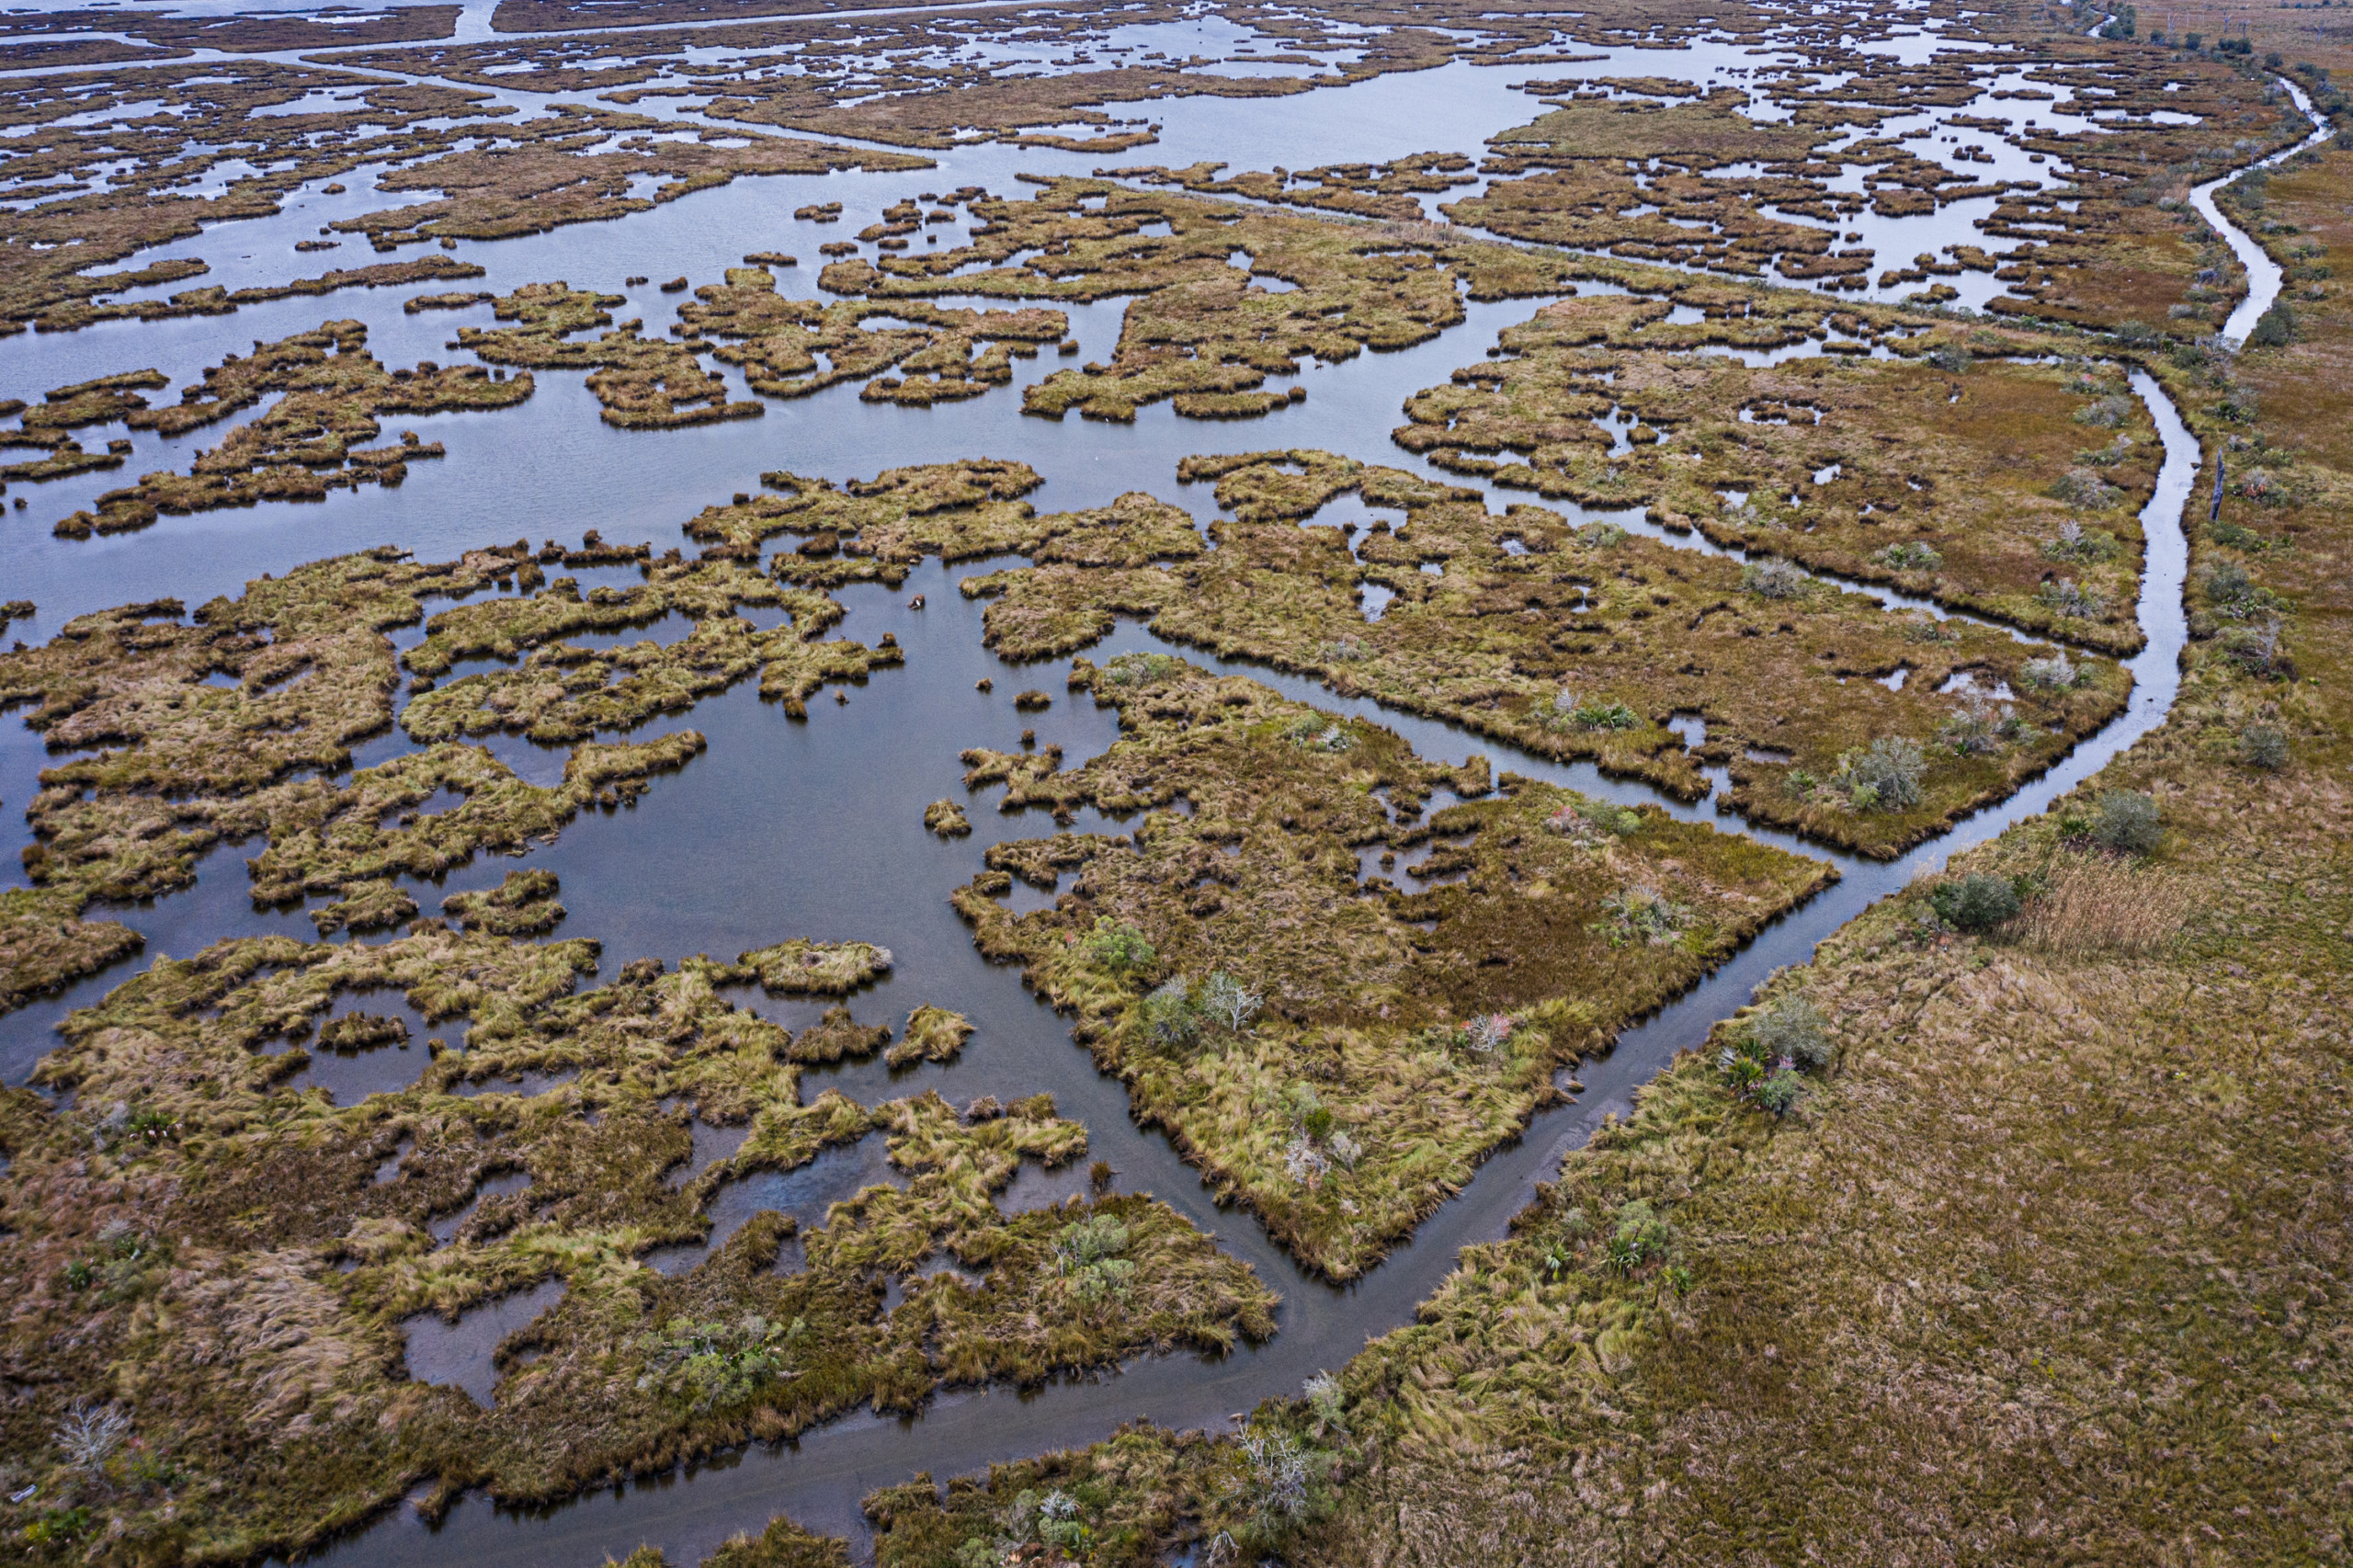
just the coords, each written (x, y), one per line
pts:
(2057, 673)
(1140, 669)
(1327, 1404)
(1169, 1015)
(1569, 711)
(2275, 328)
(1641, 1236)
(2106, 412)
(1119, 947)
(2127, 821)
(2264, 746)
(1641, 914)
(1775, 579)
(2068, 597)
(1910, 555)
(2084, 487)
(1278, 1485)
(1087, 1255)
(2074, 542)
(1314, 731)
(1884, 776)
(1978, 902)
(1792, 1029)
(1777, 1092)
(716, 1364)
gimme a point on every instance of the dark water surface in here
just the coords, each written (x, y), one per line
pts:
(813, 828)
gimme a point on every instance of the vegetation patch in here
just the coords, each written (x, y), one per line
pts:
(159, 763)
(1954, 486)
(643, 384)
(1579, 642)
(1336, 1050)
(188, 1211)
(943, 355)
(558, 693)
(333, 396)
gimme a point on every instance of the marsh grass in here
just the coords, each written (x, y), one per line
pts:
(1301, 1040)
(248, 1193)
(2092, 904)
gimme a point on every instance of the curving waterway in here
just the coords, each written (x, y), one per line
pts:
(812, 828)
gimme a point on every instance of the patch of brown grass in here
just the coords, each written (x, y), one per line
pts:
(2106, 906)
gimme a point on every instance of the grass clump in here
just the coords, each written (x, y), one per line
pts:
(524, 904)
(933, 1034)
(1521, 614)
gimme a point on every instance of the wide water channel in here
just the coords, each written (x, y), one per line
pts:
(813, 828)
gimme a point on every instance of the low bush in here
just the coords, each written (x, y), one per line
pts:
(1775, 579)
(2127, 821)
(1910, 555)
(1140, 669)
(2106, 412)
(1569, 711)
(2057, 673)
(1641, 1236)
(1169, 1014)
(2275, 328)
(1793, 1029)
(2074, 542)
(1119, 947)
(1087, 1255)
(2084, 487)
(2067, 597)
(1885, 776)
(1230, 1002)
(1641, 914)
(1978, 902)
(2264, 746)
